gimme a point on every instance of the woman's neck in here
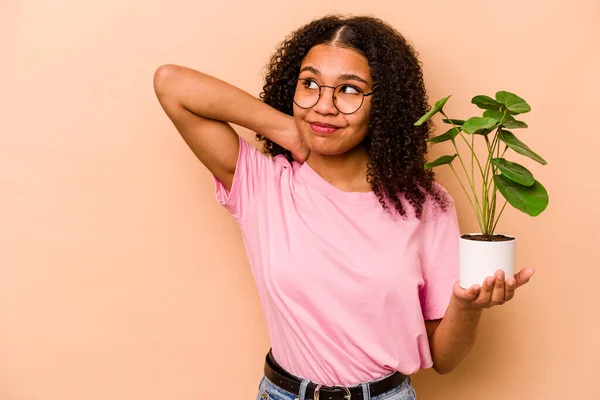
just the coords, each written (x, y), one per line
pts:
(347, 172)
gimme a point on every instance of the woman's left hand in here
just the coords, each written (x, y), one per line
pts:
(495, 291)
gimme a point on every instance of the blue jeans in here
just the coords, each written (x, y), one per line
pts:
(269, 391)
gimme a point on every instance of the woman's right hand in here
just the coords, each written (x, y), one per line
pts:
(298, 148)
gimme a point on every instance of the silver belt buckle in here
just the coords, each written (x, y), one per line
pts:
(316, 395)
(348, 394)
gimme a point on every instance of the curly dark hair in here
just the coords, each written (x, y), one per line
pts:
(396, 147)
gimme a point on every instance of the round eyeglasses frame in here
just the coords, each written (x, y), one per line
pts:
(333, 96)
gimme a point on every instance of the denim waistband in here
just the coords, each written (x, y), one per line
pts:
(270, 391)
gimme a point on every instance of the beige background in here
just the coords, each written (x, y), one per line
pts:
(120, 276)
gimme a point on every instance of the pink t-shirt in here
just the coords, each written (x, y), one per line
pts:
(345, 286)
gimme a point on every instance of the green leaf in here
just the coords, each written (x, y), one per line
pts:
(438, 107)
(486, 102)
(511, 141)
(479, 125)
(440, 161)
(457, 122)
(531, 200)
(497, 115)
(513, 103)
(448, 135)
(514, 124)
(508, 121)
(515, 172)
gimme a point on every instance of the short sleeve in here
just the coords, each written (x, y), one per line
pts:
(439, 261)
(250, 178)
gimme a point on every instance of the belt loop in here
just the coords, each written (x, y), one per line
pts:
(366, 390)
(303, 386)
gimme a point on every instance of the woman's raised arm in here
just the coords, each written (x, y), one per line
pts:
(201, 108)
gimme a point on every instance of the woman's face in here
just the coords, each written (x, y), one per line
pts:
(323, 127)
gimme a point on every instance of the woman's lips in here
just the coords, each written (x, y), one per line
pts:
(323, 128)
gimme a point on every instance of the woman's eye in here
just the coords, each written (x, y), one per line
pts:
(310, 84)
(347, 89)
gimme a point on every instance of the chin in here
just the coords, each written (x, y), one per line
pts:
(331, 146)
(329, 150)
(326, 152)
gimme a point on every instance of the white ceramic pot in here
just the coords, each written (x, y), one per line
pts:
(479, 259)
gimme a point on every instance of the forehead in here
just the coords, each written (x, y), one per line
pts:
(333, 61)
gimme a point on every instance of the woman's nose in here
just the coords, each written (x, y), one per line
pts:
(326, 104)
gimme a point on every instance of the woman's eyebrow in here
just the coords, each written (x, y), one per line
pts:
(311, 69)
(352, 77)
(344, 77)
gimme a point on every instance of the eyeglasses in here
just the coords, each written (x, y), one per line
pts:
(347, 98)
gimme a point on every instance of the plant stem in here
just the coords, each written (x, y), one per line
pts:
(470, 179)
(493, 212)
(466, 141)
(485, 189)
(496, 144)
(477, 213)
(473, 158)
(491, 185)
(499, 215)
(488, 181)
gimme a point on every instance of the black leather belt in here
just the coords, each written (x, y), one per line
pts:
(284, 380)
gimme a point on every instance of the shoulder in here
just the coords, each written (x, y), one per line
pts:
(261, 159)
(438, 203)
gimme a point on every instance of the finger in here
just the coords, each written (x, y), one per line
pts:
(468, 295)
(474, 292)
(511, 285)
(499, 288)
(524, 276)
(485, 295)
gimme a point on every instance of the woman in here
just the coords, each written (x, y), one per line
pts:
(352, 244)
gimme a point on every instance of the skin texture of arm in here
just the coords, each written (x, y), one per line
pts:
(201, 108)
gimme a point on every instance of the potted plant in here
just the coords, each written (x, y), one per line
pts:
(484, 252)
